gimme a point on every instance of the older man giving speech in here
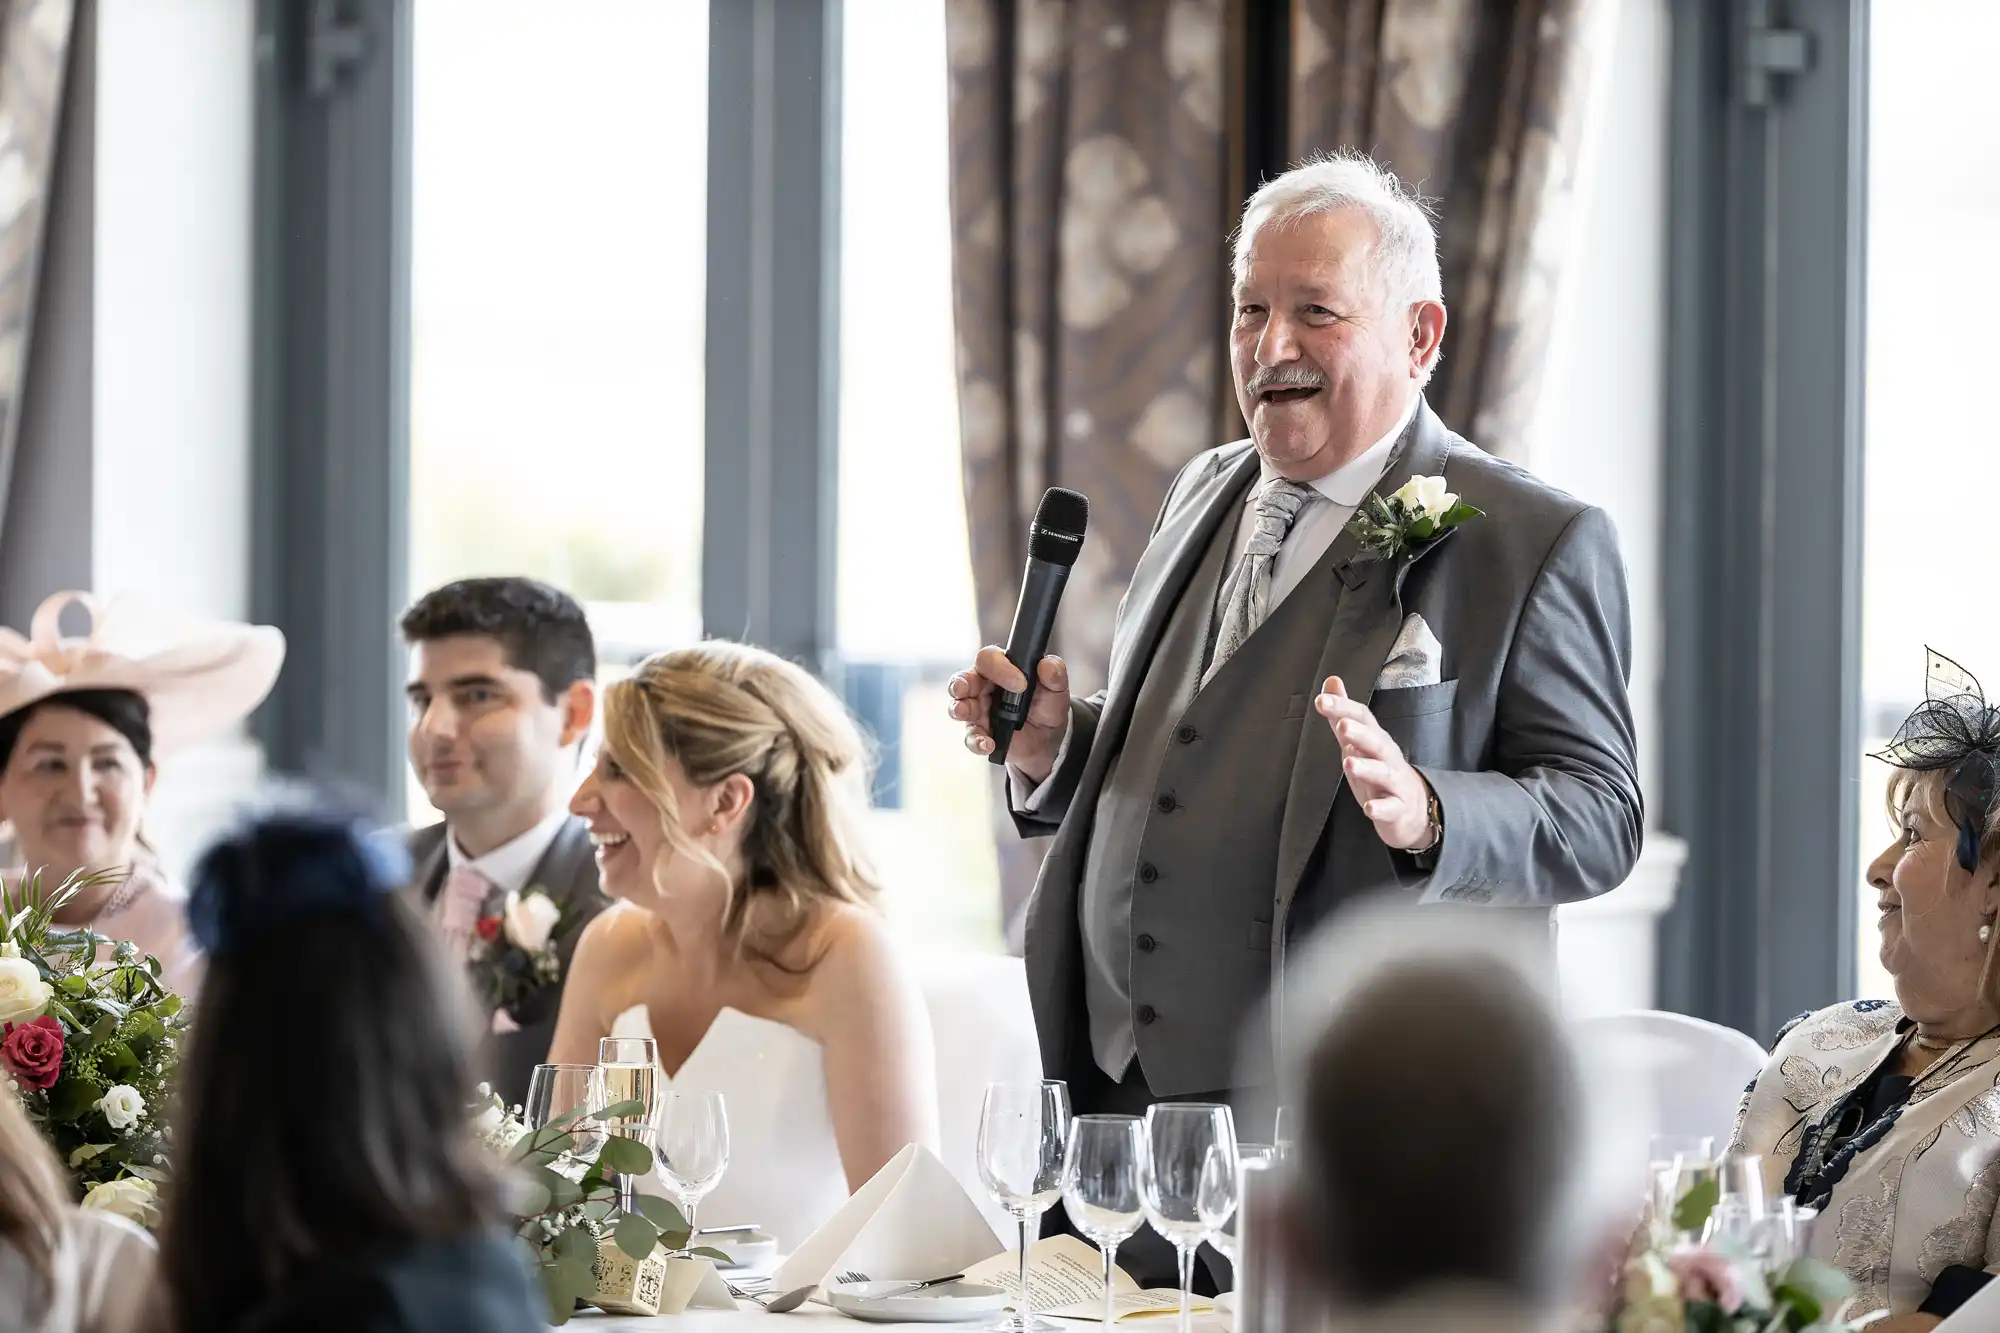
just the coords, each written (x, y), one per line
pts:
(1465, 647)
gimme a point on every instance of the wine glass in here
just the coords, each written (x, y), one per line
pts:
(556, 1090)
(1179, 1136)
(1023, 1131)
(1739, 1202)
(631, 1074)
(1100, 1185)
(1224, 1237)
(692, 1147)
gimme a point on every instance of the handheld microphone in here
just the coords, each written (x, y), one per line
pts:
(1054, 540)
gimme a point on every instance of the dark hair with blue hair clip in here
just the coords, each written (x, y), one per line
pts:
(287, 861)
(321, 1119)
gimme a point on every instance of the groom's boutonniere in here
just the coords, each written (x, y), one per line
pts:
(1413, 516)
(515, 954)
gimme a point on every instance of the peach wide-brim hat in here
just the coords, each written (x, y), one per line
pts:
(198, 678)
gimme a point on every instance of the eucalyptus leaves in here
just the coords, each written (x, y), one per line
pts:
(568, 1202)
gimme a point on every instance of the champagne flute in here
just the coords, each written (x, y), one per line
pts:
(1739, 1203)
(1023, 1131)
(557, 1090)
(1100, 1186)
(1179, 1138)
(631, 1074)
(693, 1147)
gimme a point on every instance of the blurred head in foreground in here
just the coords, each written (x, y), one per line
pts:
(1446, 1154)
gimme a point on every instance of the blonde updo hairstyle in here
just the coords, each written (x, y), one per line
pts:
(726, 708)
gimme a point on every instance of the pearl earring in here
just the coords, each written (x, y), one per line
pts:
(1985, 934)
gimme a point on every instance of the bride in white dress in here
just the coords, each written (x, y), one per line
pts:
(743, 937)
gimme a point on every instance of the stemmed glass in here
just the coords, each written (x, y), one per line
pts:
(1739, 1203)
(557, 1090)
(1023, 1131)
(692, 1147)
(1180, 1137)
(631, 1074)
(1100, 1186)
(1222, 1195)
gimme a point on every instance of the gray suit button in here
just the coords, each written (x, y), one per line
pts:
(1145, 1014)
(1186, 735)
(1166, 803)
(1148, 872)
(1147, 943)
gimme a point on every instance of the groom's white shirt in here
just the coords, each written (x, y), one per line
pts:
(512, 864)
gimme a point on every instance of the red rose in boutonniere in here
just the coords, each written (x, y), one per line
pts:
(516, 960)
(34, 1052)
(488, 928)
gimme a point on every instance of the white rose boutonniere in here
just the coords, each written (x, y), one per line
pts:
(122, 1106)
(1413, 516)
(23, 994)
(128, 1197)
(529, 920)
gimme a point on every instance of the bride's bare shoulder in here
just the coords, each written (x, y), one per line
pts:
(616, 935)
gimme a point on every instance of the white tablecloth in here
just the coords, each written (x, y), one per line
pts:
(813, 1318)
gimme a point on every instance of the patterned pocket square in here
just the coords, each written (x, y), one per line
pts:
(1416, 659)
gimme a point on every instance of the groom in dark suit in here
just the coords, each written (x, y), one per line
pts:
(502, 689)
(1296, 716)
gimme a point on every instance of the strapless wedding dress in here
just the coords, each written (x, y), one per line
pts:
(784, 1164)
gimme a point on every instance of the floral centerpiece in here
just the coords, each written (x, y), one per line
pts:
(1722, 1285)
(567, 1203)
(88, 1047)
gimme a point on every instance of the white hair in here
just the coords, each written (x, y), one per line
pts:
(1405, 257)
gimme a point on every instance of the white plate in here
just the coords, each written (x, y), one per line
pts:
(952, 1303)
(746, 1249)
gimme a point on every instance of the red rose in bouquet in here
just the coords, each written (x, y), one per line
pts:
(488, 928)
(34, 1051)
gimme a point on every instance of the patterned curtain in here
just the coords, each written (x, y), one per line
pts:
(1100, 156)
(34, 57)
(1481, 104)
(1089, 209)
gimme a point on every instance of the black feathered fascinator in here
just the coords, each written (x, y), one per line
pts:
(291, 860)
(1954, 731)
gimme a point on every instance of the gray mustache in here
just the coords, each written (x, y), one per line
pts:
(1285, 377)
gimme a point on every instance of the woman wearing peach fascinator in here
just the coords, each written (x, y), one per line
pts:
(83, 721)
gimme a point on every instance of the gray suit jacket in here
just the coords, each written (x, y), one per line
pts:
(1527, 739)
(568, 871)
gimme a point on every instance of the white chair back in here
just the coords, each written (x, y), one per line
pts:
(984, 1030)
(1688, 1074)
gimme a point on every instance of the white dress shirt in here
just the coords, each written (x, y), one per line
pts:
(512, 864)
(1319, 521)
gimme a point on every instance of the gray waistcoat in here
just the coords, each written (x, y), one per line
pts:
(1172, 967)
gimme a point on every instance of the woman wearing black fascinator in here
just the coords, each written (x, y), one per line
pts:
(324, 1173)
(1886, 1116)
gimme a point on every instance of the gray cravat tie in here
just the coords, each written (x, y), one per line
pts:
(1249, 600)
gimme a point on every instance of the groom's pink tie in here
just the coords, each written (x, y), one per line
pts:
(464, 893)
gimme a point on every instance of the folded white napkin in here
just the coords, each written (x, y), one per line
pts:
(693, 1284)
(912, 1220)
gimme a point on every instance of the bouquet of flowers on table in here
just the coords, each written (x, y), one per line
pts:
(1731, 1281)
(88, 1047)
(567, 1202)
(514, 958)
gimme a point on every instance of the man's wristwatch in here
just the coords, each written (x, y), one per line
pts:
(1436, 813)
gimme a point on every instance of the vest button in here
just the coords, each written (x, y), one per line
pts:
(1148, 872)
(1186, 735)
(1147, 943)
(1145, 1014)
(1166, 803)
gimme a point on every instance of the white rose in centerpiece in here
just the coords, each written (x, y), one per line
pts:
(131, 1198)
(1425, 497)
(528, 921)
(23, 993)
(122, 1106)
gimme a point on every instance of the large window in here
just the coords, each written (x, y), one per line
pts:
(905, 613)
(557, 284)
(1933, 279)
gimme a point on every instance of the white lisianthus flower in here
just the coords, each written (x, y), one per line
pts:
(23, 993)
(122, 1106)
(528, 920)
(1425, 497)
(9, 949)
(131, 1198)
